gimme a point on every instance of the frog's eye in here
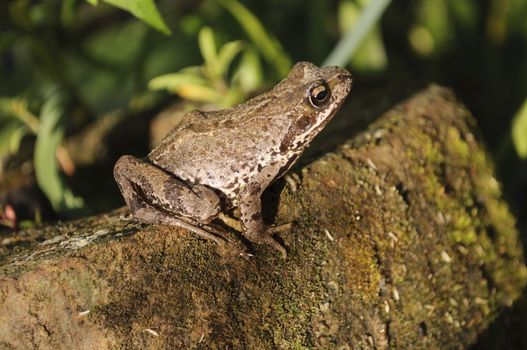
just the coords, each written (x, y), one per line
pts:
(319, 95)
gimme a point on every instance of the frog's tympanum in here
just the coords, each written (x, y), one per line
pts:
(215, 161)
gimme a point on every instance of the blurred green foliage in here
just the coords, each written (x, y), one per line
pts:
(49, 136)
(208, 83)
(519, 131)
(15, 122)
(145, 10)
(66, 65)
(269, 47)
(358, 20)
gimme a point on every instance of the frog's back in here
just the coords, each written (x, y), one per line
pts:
(221, 148)
(230, 147)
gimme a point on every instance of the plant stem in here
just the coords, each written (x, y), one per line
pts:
(349, 43)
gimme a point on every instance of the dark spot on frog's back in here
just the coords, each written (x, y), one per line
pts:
(255, 189)
(303, 122)
(286, 142)
(232, 184)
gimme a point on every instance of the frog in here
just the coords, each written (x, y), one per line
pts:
(213, 162)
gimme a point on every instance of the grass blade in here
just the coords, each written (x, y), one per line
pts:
(349, 43)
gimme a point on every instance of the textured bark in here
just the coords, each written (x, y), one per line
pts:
(401, 240)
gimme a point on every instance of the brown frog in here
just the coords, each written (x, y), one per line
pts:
(214, 161)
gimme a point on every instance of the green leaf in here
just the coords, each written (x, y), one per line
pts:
(174, 80)
(194, 70)
(519, 131)
(226, 55)
(11, 133)
(269, 46)
(249, 76)
(145, 10)
(16, 108)
(46, 166)
(199, 92)
(5, 108)
(188, 86)
(207, 46)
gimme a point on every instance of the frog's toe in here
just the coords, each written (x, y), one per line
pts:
(277, 245)
(280, 248)
(280, 228)
(235, 248)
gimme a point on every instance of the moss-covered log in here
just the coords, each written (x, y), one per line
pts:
(401, 240)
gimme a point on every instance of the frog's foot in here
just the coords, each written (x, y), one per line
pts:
(267, 236)
(228, 243)
(280, 228)
(271, 230)
(209, 231)
(276, 245)
(206, 232)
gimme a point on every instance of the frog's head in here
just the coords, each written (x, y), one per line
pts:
(314, 96)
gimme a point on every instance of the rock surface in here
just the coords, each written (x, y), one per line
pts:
(401, 240)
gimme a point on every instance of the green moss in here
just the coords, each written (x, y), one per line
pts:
(462, 229)
(456, 146)
(431, 193)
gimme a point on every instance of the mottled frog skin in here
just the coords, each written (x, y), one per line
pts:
(214, 161)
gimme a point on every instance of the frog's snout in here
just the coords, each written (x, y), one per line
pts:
(342, 81)
(344, 75)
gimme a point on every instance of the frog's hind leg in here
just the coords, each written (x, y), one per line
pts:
(156, 197)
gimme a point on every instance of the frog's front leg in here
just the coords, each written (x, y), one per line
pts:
(156, 197)
(250, 205)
